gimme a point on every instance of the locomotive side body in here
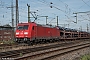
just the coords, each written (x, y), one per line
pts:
(40, 32)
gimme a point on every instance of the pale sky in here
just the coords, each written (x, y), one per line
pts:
(64, 9)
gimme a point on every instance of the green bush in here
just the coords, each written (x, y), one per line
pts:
(86, 57)
(7, 42)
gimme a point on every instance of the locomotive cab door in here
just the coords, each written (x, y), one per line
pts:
(34, 28)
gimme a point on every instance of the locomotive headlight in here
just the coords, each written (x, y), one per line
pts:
(17, 33)
(25, 32)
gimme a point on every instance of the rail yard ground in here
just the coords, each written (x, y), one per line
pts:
(65, 50)
(44, 30)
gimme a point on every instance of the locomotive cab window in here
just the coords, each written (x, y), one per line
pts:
(20, 27)
(25, 27)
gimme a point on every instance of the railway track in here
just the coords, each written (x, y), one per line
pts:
(8, 47)
(55, 53)
(28, 50)
(37, 52)
(52, 53)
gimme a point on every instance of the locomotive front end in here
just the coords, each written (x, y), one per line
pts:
(22, 33)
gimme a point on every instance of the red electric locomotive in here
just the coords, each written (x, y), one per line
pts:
(29, 32)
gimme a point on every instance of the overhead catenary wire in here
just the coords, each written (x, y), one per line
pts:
(46, 3)
(86, 3)
(82, 5)
(53, 6)
(85, 18)
(67, 7)
(43, 8)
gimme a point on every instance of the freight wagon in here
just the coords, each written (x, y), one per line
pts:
(6, 33)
